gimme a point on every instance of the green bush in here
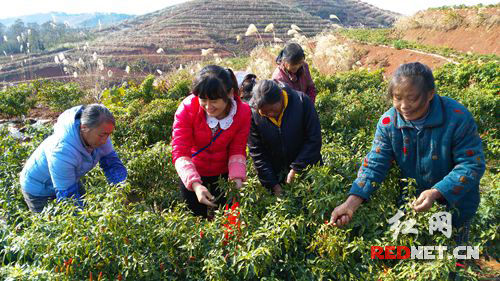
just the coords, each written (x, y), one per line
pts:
(60, 96)
(16, 101)
(180, 89)
(118, 98)
(153, 124)
(358, 81)
(461, 76)
(152, 176)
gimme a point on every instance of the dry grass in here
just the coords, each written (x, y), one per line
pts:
(325, 52)
(262, 60)
(451, 19)
(331, 55)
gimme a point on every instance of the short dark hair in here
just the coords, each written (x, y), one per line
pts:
(418, 74)
(215, 82)
(292, 53)
(265, 92)
(247, 85)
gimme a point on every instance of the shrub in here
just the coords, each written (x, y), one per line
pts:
(60, 96)
(118, 98)
(355, 80)
(153, 124)
(152, 176)
(16, 101)
(176, 89)
(452, 20)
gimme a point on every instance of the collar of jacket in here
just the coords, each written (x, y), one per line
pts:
(293, 77)
(435, 118)
(87, 147)
(285, 104)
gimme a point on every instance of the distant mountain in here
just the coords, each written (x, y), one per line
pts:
(186, 28)
(74, 20)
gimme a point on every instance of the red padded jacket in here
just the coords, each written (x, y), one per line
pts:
(191, 132)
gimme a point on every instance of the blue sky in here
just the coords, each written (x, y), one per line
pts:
(137, 7)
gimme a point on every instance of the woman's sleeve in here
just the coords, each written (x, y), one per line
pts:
(310, 152)
(261, 157)
(182, 142)
(376, 164)
(311, 89)
(237, 147)
(111, 165)
(62, 168)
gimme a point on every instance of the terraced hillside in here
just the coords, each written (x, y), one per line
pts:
(185, 28)
(189, 27)
(181, 31)
(350, 13)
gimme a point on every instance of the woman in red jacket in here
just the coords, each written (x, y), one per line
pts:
(209, 138)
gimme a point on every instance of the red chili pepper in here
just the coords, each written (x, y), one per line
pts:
(232, 219)
(460, 265)
(235, 205)
(119, 277)
(90, 277)
(100, 276)
(201, 233)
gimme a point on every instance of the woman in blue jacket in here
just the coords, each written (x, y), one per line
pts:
(432, 139)
(80, 141)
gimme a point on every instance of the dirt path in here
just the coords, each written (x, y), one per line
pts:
(389, 58)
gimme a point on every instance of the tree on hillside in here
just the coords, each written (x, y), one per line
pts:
(34, 37)
(16, 29)
(2, 33)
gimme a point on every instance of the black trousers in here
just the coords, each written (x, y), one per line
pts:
(210, 183)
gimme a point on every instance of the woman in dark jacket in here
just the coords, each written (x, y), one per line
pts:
(285, 135)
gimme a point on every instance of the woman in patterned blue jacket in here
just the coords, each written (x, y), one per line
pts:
(432, 139)
(80, 141)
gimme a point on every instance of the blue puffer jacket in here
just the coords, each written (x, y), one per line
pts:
(56, 166)
(446, 154)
